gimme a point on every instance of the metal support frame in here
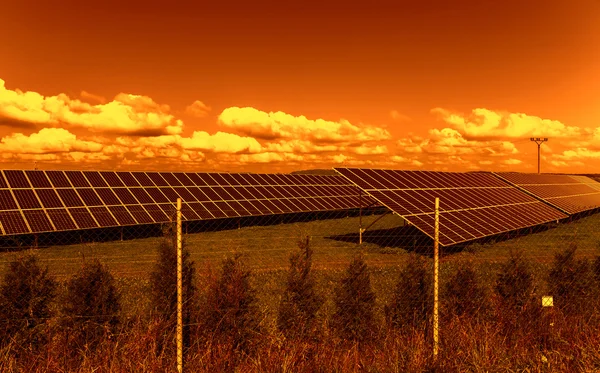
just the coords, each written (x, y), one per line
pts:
(362, 230)
(436, 268)
(179, 290)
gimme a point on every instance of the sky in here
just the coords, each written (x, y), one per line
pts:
(272, 86)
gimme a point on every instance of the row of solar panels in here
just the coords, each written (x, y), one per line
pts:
(35, 201)
(476, 205)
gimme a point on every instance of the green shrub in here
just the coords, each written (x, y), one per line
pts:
(231, 310)
(163, 285)
(91, 305)
(412, 301)
(25, 297)
(300, 302)
(514, 283)
(354, 317)
(571, 282)
(464, 295)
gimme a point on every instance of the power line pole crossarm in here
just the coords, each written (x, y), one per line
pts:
(539, 141)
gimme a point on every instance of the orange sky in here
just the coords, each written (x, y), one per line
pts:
(269, 86)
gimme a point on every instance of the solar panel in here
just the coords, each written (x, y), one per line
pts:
(58, 179)
(472, 205)
(77, 180)
(7, 202)
(13, 223)
(49, 198)
(38, 221)
(157, 179)
(42, 201)
(16, 179)
(70, 197)
(26, 199)
(127, 179)
(140, 214)
(111, 179)
(570, 193)
(83, 218)
(38, 179)
(3, 183)
(170, 179)
(61, 219)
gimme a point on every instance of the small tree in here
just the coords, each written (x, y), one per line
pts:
(412, 301)
(91, 305)
(163, 284)
(300, 302)
(231, 311)
(463, 292)
(514, 283)
(354, 318)
(570, 281)
(25, 297)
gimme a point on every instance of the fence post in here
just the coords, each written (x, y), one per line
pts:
(436, 238)
(179, 291)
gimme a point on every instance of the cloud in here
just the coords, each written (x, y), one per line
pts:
(47, 140)
(448, 141)
(575, 156)
(197, 109)
(483, 123)
(399, 116)
(92, 97)
(125, 114)
(279, 125)
(220, 142)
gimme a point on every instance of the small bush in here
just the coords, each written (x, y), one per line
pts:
(571, 282)
(412, 301)
(300, 302)
(91, 305)
(25, 297)
(354, 318)
(464, 295)
(514, 283)
(231, 310)
(163, 284)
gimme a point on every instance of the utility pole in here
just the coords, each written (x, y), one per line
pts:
(539, 141)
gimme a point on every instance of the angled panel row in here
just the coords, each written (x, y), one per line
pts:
(570, 193)
(472, 205)
(34, 201)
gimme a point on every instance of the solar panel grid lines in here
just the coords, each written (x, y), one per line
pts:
(55, 200)
(472, 205)
(569, 193)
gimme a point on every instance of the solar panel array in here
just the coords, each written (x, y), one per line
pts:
(35, 201)
(472, 205)
(569, 193)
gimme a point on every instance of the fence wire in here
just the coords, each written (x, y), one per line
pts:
(330, 291)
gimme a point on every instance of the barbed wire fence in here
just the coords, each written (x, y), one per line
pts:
(525, 299)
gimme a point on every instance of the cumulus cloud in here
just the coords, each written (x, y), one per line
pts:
(125, 114)
(483, 123)
(197, 109)
(220, 142)
(448, 141)
(47, 140)
(279, 125)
